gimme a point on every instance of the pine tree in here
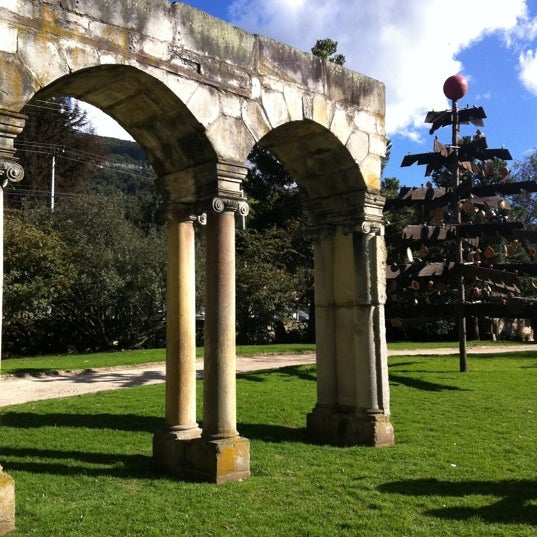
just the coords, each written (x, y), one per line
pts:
(57, 134)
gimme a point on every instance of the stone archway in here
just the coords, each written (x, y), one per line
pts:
(346, 224)
(197, 93)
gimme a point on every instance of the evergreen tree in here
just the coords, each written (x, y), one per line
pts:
(273, 257)
(57, 134)
(326, 49)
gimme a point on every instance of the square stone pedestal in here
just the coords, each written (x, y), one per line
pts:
(199, 459)
(219, 461)
(7, 503)
(347, 429)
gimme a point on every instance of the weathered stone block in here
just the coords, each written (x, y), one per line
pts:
(255, 119)
(342, 125)
(219, 461)
(7, 503)
(275, 108)
(197, 459)
(358, 145)
(347, 429)
(170, 450)
(8, 38)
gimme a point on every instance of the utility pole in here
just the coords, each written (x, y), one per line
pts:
(52, 181)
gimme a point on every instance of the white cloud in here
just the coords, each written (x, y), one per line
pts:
(528, 70)
(410, 45)
(522, 40)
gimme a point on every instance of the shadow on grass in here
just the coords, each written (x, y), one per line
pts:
(117, 422)
(298, 371)
(423, 385)
(274, 433)
(133, 423)
(74, 463)
(519, 355)
(120, 465)
(516, 504)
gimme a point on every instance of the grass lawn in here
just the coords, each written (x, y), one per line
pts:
(464, 463)
(70, 362)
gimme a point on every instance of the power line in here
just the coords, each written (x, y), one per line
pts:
(89, 162)
(125, 199)
(62, 148)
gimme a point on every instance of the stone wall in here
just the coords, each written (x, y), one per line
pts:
(228, 80)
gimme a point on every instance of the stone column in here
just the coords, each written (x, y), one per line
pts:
(219, 413)
(352, 375)
(221, 454)
(170, 442)
(372, 425)
(11, 125)
(319, 420)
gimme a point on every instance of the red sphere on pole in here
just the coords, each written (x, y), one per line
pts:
(455, 87)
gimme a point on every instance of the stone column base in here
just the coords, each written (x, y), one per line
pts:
(198, 459)
(219, 461)
(346, 429)
(7, 503)
(170, 449)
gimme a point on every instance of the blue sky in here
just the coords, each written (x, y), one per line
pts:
(412, 47)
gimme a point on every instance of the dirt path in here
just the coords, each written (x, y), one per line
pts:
(16, 390)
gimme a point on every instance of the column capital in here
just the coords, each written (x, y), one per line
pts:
(229, 178)
(11, 125)
(183, 212)
(10, 172)
(221, 192)
(235, 205)
(225, 194)
(355, 212)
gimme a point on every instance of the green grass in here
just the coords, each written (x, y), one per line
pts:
(74, 362)
(463, 465)
(398, 345)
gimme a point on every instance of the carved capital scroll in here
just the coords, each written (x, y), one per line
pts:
(183, 212)
(10, 172)
(355, 212)
(220, 205)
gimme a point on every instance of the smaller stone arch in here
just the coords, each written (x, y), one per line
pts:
(346, 224)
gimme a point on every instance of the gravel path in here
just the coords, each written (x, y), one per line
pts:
(17, 390)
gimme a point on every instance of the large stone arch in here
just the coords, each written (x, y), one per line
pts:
(197, 93)
(162, 124)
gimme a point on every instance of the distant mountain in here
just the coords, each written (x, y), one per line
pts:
(127, 172)
(124, 149)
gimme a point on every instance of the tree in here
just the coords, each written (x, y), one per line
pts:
(38, 272)
(525, 204)
(273, 195)
(126, 172)
(326, 49)
(274, 260)
(56, 132)
(268, 293)
(104, 248)
(118, 298)
(114, 294)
